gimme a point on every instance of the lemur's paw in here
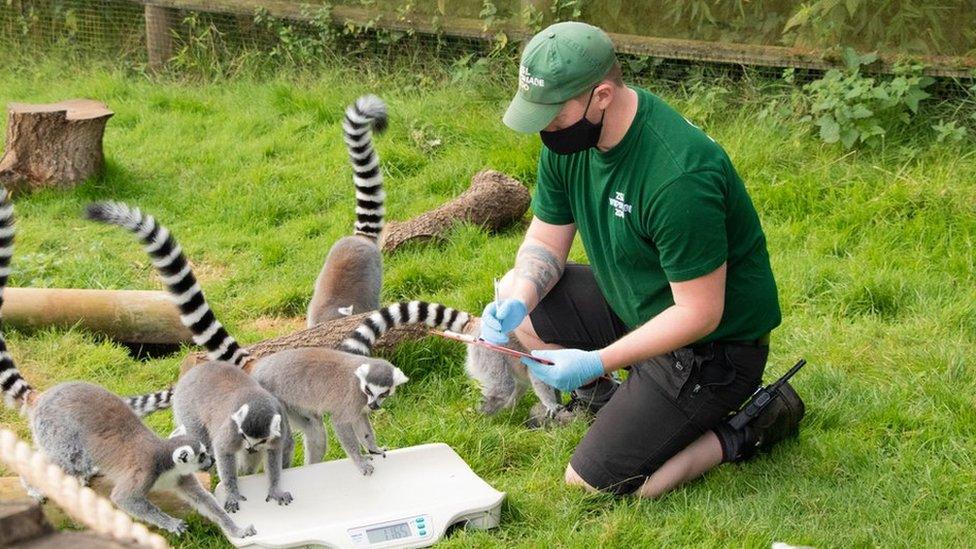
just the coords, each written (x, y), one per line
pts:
(177, 527)
(232, 505)
(283, 498)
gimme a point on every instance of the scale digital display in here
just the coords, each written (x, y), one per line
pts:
(388, 533)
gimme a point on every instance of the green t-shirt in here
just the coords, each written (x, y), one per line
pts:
(663, 205)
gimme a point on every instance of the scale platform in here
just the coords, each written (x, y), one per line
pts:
(412, 498)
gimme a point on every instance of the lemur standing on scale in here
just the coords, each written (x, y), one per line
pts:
(87, 431)
(344, 383)
(217, 402)
(352, 275)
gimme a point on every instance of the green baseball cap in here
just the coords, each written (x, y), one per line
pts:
(558, 64)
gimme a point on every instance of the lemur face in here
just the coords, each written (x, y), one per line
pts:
(188, 459)
(378, 381)
(256, 435)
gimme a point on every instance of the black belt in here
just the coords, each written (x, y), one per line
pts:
(761, 341)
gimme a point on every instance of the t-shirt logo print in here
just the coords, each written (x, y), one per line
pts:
(619, 206)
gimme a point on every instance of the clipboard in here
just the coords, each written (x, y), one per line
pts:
(471, 340)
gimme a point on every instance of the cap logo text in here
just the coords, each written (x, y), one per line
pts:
(526, 79)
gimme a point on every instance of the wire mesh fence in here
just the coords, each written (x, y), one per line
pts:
(758, 37)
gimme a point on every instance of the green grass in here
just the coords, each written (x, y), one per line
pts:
(873, 254)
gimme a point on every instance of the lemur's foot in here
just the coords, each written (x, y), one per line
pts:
(282, 497)
(366, 468)
(244, 532)
(232, 505)
(177, 527)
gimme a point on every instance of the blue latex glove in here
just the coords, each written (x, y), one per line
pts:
(500, 318)
(573, 368)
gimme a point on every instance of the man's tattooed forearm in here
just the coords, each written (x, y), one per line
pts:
(537, 264)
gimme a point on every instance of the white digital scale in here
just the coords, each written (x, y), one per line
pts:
(411, 500)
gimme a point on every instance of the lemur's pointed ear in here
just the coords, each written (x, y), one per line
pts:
(240, 414)
(399, 378)
(276, 426)
(178, 432)
(362, 372)
(182, 454)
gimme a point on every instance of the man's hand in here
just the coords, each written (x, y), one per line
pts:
(499, 319)
(572, 368)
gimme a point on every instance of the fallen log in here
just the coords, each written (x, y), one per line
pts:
(327, 334)
(130, 316)
(494, 200)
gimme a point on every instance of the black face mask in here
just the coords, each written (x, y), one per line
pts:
(580, 136)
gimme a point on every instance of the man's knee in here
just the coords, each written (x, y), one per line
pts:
(572, 478)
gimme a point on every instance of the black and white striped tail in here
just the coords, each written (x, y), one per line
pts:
(148, 403)
(435, 315)
(167, 257)
(15, 388)
(366, 115)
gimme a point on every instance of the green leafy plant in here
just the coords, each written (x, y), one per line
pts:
(851, 108)
(948, 130)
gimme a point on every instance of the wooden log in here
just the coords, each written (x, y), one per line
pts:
(160, 22)
(131, 316)
(74, 540)
(494, 200)
(12, 490)
(21, 520)
(327, 334)
(53, 145)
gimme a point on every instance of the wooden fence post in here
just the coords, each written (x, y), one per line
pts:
(159, 35)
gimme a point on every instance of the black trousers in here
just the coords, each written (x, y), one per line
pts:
(666, 402)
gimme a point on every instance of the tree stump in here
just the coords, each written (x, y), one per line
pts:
(53, 145)
(494, 200)
(327, 334)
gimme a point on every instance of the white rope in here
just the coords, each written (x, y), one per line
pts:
(80, 502)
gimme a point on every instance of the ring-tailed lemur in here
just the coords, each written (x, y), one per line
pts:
(312, 382)
(376, 379)
(87, 431)
(215, 401)
(503, 378)
(352, 275)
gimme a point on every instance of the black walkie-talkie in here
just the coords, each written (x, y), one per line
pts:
(762, 397)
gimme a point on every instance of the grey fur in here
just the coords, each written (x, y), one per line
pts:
(312, 382)
(503, 378)
(87, 430)
(208, 401)
(349, 282)
(352, 274)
